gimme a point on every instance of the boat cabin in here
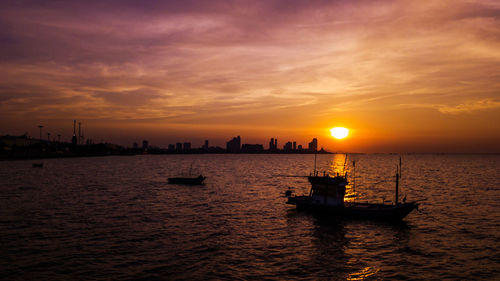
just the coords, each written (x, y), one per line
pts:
(328, 190)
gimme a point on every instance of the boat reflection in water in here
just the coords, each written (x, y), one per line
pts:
(336, 249)
(327, 196)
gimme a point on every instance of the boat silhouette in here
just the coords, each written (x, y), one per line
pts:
(327, 197)
(187, 180)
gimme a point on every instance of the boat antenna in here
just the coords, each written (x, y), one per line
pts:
(354, 179)
(398, 172)
(345, 160)
(315, 155)
(399, 166)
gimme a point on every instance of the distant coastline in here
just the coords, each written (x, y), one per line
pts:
(24, 147)
(127, 152)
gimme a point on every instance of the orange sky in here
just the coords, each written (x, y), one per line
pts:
(403, 76)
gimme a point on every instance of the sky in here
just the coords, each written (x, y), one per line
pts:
(403, 76)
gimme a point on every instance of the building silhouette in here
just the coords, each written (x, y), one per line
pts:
(252, 148)
(178, 147)
(205, 146)
(233, 146)
(74, 139)
(313, 145)
(288, 146)
(273, 144)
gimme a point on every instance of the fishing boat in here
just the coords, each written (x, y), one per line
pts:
(327, 197)
(187, 180)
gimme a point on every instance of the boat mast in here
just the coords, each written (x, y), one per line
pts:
(315, 155)
(398, 172)
(397, 182)
(343, 169)
(400, 167)
(354, 179)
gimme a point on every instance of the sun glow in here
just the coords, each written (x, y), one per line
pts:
(339, 132)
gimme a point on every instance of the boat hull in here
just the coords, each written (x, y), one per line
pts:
(187, 181)
(354, 210)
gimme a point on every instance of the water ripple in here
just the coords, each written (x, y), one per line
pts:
(117, 218)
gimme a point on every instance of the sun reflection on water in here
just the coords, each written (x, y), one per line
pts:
(362, 274)
(341, 164)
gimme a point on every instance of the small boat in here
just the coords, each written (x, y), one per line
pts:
(327, 197)
(37, 165)
(187, 180)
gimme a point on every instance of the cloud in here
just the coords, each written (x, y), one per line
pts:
(468, 106)
(192, 61)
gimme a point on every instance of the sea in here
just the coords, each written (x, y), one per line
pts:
(117, 218)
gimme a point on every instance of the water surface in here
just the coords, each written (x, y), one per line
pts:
(117, 218)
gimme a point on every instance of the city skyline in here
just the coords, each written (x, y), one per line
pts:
(402, 76)
(234, 145)
(26, 147)
(78, 138)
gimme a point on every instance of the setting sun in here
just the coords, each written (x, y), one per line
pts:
(339, 132)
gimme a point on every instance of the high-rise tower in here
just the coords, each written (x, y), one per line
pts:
(73, 139)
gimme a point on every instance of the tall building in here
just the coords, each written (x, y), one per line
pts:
(233, 146)
(273, 144)
(294, 145)
(187, 146)
(205, 146)
(288, 146)
(73, 139)
(178, 146)
(313, 145)
(145, 144)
